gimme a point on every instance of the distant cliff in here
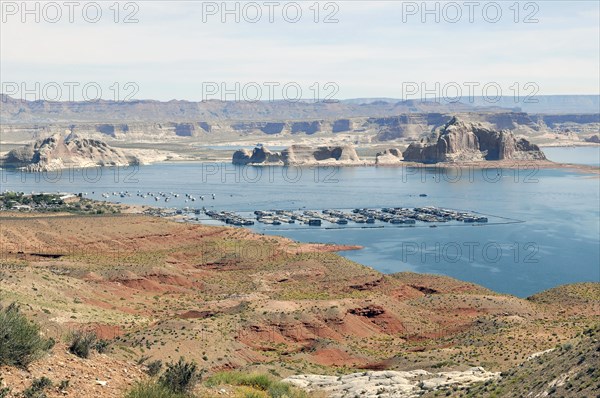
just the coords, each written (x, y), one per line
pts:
(299, 155)
(389, 157)
(460, 141)
(401, 127)
(61, 151)
(17, 111)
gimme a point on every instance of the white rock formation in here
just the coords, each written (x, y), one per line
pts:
(389, 384)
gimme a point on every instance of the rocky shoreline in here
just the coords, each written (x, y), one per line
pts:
(390, 384)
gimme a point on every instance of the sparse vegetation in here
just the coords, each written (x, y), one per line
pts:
(3, 390)
(157, 307)
(63, 385)
(570, 370)
(181, 376)
(81, 343)
(153, 368)
(262, 382)
(38, 388)
(101, 346)
(52, 203)
(20, 339)
(154, 390)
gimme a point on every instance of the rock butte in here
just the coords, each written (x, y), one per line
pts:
(460, 141)
(298, 155)
(61, 151)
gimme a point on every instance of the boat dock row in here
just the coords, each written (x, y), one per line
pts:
(396, 215)
(229, 217)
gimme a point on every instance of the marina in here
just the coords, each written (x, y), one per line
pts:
(334, 218)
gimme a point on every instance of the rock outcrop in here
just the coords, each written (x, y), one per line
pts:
(308, 127)
(342, 125)
(61, 151)
(595, 139)
(460, 141)
(259, 155)
(406, 126)
(390, 384)
(306, 155)
(391, 156)
(298, 155)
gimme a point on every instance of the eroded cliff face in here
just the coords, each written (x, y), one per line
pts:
(61, 151)
(407, 127)
(390, 156)
(460, 141)
(298, 155)
(595, 139)
(259, 155)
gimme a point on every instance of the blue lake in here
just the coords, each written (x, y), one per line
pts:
(555, 241)
(588, 155)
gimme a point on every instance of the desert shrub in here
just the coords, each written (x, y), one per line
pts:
(63, 385)
(259, 381)
(280, 390)
(153, 390)
(154, 367)
(81, 343)
(141, 360)
(37, 388)
(101, 346)
(274, 388)
(181, 376)
(3, 390)
(20, 339)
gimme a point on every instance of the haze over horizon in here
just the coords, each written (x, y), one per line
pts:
(179, 50)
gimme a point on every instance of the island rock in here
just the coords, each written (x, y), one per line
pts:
(459, 141)
(61, 151)
(299, 155)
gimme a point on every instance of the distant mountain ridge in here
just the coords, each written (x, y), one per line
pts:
(546, 104)
(14, 110)
(21, 111)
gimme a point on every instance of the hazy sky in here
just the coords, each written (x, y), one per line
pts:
(183, 50)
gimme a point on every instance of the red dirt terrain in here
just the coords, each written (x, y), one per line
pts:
(232, 299)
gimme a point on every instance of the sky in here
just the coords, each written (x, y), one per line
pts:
(194, 50)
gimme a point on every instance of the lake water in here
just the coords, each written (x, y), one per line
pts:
(551, 237)
(588, 155)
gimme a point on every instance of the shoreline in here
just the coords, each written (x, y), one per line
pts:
(570, 145)
(489, 164)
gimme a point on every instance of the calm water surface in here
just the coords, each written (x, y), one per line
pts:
(589, 155)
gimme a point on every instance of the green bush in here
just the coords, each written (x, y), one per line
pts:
(37, 388)
(274, 388)
(280, 390)
(101, 346)
(63, 385)
(154, 367)
(82, 343)
(153, 390)
(180, 377)
(20, 339)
